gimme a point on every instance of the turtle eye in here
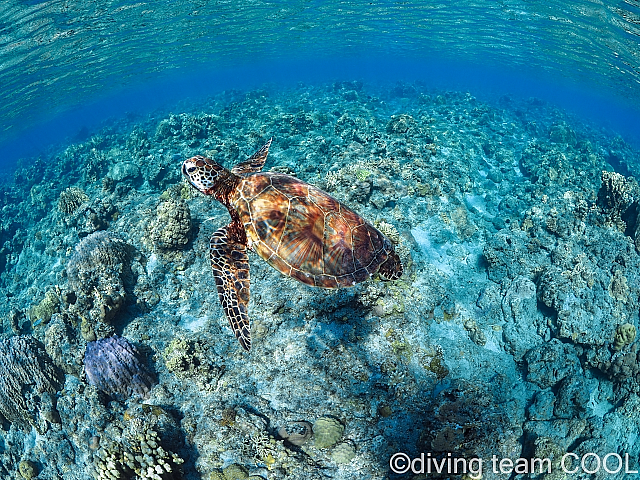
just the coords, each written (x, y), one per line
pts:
(191, 169)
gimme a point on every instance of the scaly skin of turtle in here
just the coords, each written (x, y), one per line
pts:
(230, 266)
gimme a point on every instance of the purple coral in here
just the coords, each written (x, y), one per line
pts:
(113, 365)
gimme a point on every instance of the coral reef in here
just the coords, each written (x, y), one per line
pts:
(467, 421)
(625, 335)
(95, 272)
(172, 226)
(343, 452)
(26, 371)
(512, 333)
(550, 363)
(114, 366)
(326, 432)
(135, 450)
(70, 200)
(42, 312)
(62, 345)
(193, 360)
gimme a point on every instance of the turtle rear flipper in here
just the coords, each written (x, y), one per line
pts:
(254, 163)
(230, 266)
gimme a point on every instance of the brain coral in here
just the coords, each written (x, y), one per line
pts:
(113, 365)
(26, 372)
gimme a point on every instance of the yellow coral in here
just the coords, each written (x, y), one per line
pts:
(625, 335)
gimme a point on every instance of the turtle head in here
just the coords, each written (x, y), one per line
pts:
(204, 174)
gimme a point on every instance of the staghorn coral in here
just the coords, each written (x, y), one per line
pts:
(26, 372)
(70, 200)
(172, 227)
(113, 365)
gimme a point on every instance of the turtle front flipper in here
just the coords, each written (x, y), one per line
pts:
(254, 163)
(230, 266)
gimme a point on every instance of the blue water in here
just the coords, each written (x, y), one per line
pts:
(67, 66)
(495, 143)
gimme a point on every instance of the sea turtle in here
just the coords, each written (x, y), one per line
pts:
(295, 227)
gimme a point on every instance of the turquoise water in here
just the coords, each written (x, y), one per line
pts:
(60, 56)
(494, 145)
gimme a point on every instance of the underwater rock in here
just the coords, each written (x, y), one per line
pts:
(124, 171)
(70, 200)
(465, 420)
(399, 124)
(25, 372)
(551, 362)
(573, 398)
(113, 365)
(172, 227)
(61, 344)
(562, 133)
(623, 366)
(617, 198)
(193, 360)
(542, 406)
(138, 143)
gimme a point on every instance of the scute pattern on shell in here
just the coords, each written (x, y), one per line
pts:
(307, 234)
(113, 365)
(26, 371)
